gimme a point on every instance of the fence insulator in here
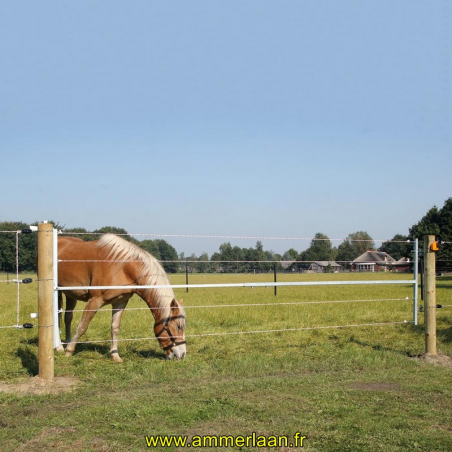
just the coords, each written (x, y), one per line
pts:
(28, 325)
(438, 306)
(24, 281)
(27, 231)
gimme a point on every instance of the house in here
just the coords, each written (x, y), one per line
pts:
(373, 261)
(325, 267)
(291, 266)
(403, 265)
(286, 265)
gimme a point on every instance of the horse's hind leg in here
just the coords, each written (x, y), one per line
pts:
(60, 307)
(68, 316)
(93, 305)
(116, 313)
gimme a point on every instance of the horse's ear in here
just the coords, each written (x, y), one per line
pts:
(175, 303)
(175, 307)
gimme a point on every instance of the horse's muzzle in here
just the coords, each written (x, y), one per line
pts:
(177, 352)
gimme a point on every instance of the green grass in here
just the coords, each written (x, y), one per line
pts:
(346, 389)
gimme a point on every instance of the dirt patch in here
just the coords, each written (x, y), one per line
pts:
(59, 439)
(38, 386)
(374, 386)
(440, 359)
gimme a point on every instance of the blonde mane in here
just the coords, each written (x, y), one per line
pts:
(119, 249)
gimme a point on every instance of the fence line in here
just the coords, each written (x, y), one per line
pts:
(253, 332)
(186, 286)
(251, 285)
(238, 237)
(243, 305)
(239, 261)
(230, 285)
(17, 280)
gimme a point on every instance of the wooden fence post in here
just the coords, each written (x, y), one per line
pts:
(45, 302)
(430, 295)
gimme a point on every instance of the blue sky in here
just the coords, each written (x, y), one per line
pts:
(244, 118)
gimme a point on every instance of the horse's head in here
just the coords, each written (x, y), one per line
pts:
(170, 332)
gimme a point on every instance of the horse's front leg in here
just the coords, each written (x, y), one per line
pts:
(117, 310)
(93, 305)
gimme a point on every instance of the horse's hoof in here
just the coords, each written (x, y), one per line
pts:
(116, 358)
(60, 348)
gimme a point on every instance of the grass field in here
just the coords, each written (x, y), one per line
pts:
(358, 388)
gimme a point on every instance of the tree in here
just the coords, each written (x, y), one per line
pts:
(428, 225)
(320, 249)
(255, 255)
(354, 245)
(290, 255)
(167, 253)
(81, 233)
(115, 230)
(151, 247)
(276, 257)
(445, 221)
(28, 245)
(437, 222)
(346, 253)
(244, 259)
(203, 265)
(87, 236)
(399, 246)
(232, 257)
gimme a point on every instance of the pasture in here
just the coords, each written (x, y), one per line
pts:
(358, 388)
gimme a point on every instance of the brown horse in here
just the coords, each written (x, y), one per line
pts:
(113, 261)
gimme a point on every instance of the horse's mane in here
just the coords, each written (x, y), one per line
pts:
(153, 274)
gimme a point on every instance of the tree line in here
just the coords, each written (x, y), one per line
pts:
(437, 221)
(28, 245)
